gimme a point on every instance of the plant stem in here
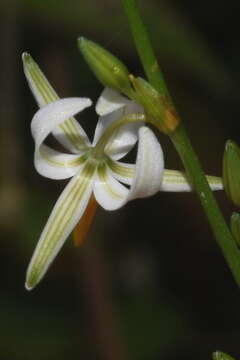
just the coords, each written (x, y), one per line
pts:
(196, 175)
(144, 48)
(182, 144)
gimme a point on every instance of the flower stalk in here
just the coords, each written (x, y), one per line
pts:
(219, 227)
(182, 143)
(144, 48)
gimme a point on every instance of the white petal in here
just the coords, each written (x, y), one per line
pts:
(38, 83)
(147, 178)
(56, 165)
(122, 141)
(64, 217)
(55, 113)
(126, 136)
(109, 101)
(149, 166)
(123, 172)
(175, 181)
(215, 182)
(104, 122)
(109, 193)
(70, 134)
(50, 116)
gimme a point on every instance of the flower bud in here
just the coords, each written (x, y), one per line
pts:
(231, 171)
(218, 355)
(110, 71)
(235, 227)
(158, 107)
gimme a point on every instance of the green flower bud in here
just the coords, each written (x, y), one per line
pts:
(235, 227)
(108, 69)
(158, 107)
(231, 171)
(218, 355)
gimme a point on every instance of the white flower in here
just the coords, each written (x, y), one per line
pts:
(94, 167)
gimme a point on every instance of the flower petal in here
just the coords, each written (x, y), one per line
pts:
(172, 180)
(109, 101)
(70, 134)
(55, 165)
(123, 140)
(122, 172)
(149, 166)
(64, 217)
(175, 181)
(46, 119)
(147, 178)
(125, 137)
(109, 193)
(215, 182)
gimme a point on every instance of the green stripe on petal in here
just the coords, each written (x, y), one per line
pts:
(175, 181)
(104, 179)
(109, 193)
(75, 137)
(121, 171)
(64, 217)
(41, 88)
(56, 161)
(55, 165)
(147, 175)
(124, 137)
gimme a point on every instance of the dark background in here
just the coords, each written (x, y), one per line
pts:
(150, 283)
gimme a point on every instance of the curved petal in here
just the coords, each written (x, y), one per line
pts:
(174, 180)
(70, 134)
(149, 166)
(64, 217)
(55, 165)
(109, 193)
(50, 116)
(109, 101)
(147, 177)
(122, 172)
(122, 141)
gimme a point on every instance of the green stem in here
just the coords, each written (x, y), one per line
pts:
(195, 173)
(183, 146)
(144, 48)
